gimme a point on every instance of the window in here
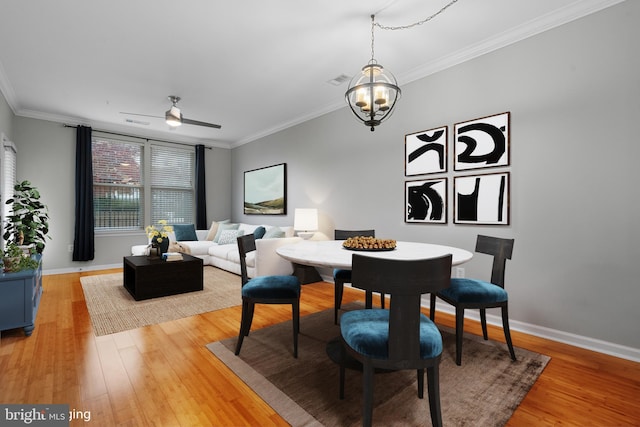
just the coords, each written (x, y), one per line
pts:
(172, 184)
(118, 194)
(8, 166)
(130, 192)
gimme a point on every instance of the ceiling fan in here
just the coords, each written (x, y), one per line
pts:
(173, 116)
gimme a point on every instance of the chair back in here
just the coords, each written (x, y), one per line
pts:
(501, 249)
(345, 234)
(246, 244)
(405, 281)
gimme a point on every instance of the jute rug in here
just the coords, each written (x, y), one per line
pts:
(113, 309)
(484, 391)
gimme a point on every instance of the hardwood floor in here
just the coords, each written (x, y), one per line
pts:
(163, 375)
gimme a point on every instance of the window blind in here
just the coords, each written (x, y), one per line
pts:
(172, 184)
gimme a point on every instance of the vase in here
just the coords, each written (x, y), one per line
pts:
(159, 248)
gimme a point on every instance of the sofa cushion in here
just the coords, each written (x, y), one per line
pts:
(273, 232)
(229, 237)
(198, 247)
(214, 229)
(259, 232)
(223, 227)
(185, 232)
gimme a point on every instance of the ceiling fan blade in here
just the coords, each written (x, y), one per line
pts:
(143, 115)
(197, 123)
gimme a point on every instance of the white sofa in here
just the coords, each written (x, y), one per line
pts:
(264, 261)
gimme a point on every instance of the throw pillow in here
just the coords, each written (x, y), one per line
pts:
(185, 232)
(214, 228)
(259, 232)
(273, 233)
(223, 227)
(228, 237)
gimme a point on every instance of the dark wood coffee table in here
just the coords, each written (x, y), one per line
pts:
(146, 277)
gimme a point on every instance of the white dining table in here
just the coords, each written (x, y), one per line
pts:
(331, 254)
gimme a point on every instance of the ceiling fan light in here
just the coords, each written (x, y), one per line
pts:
(173, 117)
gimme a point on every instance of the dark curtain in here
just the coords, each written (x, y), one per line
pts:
(84, 239)
(201, 194)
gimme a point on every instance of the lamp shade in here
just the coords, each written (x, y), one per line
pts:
(305, 219)
(173, 116)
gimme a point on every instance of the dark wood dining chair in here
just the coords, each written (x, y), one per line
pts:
(342, 276)
(265, 290)
(401, 337)
(464, 293)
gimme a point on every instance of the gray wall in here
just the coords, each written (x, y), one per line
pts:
(46, 157)
(6, 118)
(574, 97)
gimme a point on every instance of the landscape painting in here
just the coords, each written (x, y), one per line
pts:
(265, 190)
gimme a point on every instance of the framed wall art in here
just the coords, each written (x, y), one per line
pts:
(482, 143)
(265, 190)
(481, 199)
(426, 152)
(426, 201)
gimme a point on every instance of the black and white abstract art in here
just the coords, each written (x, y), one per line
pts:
(482, 143)
(481, 199)
(426, 152)
(426, 201)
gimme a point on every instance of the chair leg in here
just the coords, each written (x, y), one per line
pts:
(367, 389)
(342, 371)
(382, 302)
(483, 322)
(245, 324)
(296, 326)
(337, 295)
(433, 384)
(459, 334)
(420, 383)
(507, 332)
(432, 307)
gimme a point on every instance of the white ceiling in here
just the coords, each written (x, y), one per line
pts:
(252, 66)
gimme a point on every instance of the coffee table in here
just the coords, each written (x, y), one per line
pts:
(146, 277)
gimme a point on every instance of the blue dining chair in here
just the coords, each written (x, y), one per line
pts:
(466, 293)
(265, 290)
(401, 337)
(342, 276)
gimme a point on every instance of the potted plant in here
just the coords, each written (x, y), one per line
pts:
(14, 259)
(28, 223)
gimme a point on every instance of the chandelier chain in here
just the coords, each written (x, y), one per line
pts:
(404, 27)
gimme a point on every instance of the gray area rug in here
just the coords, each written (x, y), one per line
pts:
(484, 391)
(113, 309)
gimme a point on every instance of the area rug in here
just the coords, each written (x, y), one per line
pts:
(112, 309)
(484, 391)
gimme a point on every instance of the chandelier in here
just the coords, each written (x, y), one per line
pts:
(373, 93)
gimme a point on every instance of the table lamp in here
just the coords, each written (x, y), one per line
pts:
(305, 222)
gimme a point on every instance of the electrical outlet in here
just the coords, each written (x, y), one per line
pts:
(70, 248)
(460, 272)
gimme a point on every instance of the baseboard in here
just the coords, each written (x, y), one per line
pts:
(80, 269)
(599, 346)
(611, 349)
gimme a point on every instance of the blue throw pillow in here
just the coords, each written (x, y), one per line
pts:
(185, 232)
(259, 232)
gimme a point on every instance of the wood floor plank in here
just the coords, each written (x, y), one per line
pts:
(163, 375)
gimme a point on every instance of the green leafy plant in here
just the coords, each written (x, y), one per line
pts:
(14, 259)
(29, 221)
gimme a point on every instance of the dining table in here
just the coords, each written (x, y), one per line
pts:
(331, 253)
(308, 254)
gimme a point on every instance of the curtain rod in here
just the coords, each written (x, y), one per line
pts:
(139, 137)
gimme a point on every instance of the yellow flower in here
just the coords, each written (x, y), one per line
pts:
(158, 232)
